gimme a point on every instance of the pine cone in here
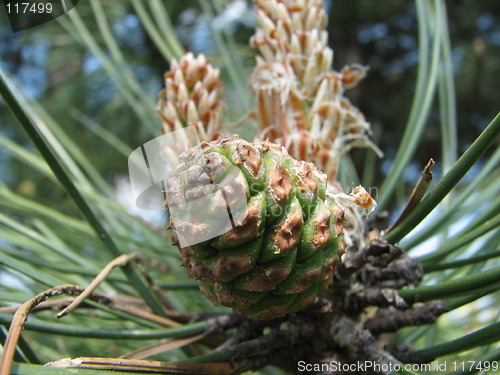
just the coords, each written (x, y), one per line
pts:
(254, 226)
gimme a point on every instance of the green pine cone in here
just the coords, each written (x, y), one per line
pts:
(254, 226)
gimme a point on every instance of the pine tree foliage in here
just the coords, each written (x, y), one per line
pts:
(422, 291)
